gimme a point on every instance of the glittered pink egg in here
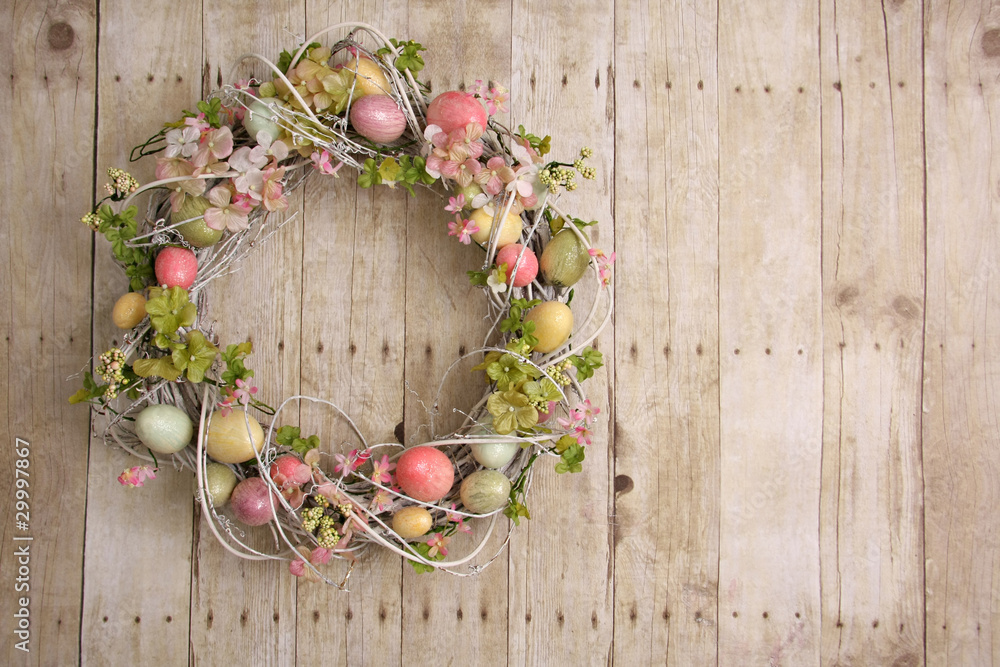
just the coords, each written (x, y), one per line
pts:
(455, 109)
(251, 502)
(425, 473)
(377, 118)
(176, 267)
(527, 268)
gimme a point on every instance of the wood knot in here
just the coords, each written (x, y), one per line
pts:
(847, 295)
(623, 484)
(61, 36)
(906, 307)
(990, 42)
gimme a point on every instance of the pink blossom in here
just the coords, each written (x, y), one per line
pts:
(604, 264)
(497, 173)
(583, 434)
(317, 556)
(198, 122)
(585, 412)
(438, 544)
(167, 167)
(459, 519)
(467, 171)
(136, 476)
(216, 144)
(463, 229)
(381, 471)
(274, 199)
(321, 162)
(468, 139)
(455, 204)
(242, 392)
(496, 99)
(226, 404)
(225, 214)
(480, 88)
(382, 501)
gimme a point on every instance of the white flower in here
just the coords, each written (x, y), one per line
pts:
(182, 142)
(495, 284)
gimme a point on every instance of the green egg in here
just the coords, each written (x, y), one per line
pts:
(258, 118)
(485, 491)
(165, 429)
(220, 484)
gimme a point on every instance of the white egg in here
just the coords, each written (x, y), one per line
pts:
(495, 454)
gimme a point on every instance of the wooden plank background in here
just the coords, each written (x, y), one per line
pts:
(799, 456)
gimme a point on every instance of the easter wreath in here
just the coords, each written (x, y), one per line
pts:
(223, 174)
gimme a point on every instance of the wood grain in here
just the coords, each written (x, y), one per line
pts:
(797, 461)
(240, 611)
(770, 333)
(960, 427)
(353, 345)
(667, 398)
(873, 247)
(48, 135)
(444, 319)
(136, 598)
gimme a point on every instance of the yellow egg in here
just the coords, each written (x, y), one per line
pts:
(129, 310)
(553, 325)
(411, 522)
(509, 233)
(371, 79)
(228, 440)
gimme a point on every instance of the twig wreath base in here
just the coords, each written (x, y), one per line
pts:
(223, 176)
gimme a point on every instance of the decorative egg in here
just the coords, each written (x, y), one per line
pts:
(165, 429)
(258, 118)
(509, 233)
(455, 109)
(485, 491)
(371, 78)
(425, 473)
(229, 441)
(176, 267)
(411, 522)
(553, 325)
(251, 502)
(527, 267)
(129, 310)
(377, 118)
(564, 259)
(191, 224)
(221, 480)
(494, 454)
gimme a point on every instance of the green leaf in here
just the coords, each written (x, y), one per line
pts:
(286, 435)
(572, 459)
(302, 446)
(478, 278)
(196, 357)
(158, 367)
(170, 309)
(587, 363)
(369, 175)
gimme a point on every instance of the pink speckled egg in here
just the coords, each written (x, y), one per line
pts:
(527, 268)
(176, 267)
(425, 473)
(455, 109)
(376, 117)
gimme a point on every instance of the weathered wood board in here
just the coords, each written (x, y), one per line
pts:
(797, 459)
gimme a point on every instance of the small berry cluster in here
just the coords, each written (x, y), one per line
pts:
(111, 369)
